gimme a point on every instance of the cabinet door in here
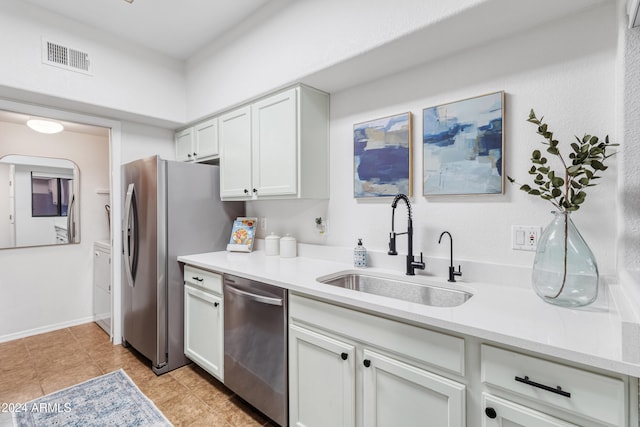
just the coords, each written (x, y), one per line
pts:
(235, 153)
(275, 136)
(206, 139)
(321, 380)
(203, 330)
(102, 289)
(398, 394)
(502, 413)
(184, 141)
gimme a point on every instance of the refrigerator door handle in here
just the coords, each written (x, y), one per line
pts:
(130, 231)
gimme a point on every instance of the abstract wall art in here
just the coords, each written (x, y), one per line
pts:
(463, 143)
(382, 157)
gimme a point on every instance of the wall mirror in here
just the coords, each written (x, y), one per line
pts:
(39, 201)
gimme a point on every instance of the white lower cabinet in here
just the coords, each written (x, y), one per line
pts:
(322, 380)
(399, 394)
(203, 320)
(339, 377)
(572, 393)
(502, 413)
(102, 285)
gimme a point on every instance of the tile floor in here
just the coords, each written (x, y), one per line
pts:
(41, 364)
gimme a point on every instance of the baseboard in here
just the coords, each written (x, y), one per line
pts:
(43, 329)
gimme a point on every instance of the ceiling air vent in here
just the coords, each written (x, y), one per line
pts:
(65, 57)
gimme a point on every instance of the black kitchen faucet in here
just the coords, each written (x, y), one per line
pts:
(412, 264)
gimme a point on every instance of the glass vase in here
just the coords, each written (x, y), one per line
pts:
(565, 272)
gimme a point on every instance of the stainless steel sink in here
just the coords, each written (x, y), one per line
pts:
(399, 289)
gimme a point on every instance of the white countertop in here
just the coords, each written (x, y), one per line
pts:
(510, 315)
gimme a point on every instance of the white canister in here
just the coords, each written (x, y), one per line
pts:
(272, 245)
(287, 247)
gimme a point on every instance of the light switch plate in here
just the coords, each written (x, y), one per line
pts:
(525, 237)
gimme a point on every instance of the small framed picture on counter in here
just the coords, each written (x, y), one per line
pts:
(242, 235)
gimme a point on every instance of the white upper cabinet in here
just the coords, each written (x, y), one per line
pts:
(198, 143)
(235, 161)
(206, 139)
(185, 147)
(274, 142)
(276, 147)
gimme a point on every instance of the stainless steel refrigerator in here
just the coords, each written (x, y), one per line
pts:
(170, 209)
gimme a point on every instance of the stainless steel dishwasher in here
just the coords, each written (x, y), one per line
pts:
(255, 345)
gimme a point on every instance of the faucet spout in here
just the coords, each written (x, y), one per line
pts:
(452, 270)
(412, 264)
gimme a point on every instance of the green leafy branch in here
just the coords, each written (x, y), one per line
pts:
(566, 190)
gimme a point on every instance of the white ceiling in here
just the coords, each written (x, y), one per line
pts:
(177, 28)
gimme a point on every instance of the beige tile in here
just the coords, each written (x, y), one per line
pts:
(214, 395)
(239, 414)
(139, 373)
(113, 360)
(20, 373)
(13, 352)
(188, 396)
(88, 329)
(60, 338)
(184, 410)
(210, 419)
(66, 378)
(192, 376)
(20, 384)
(162, 388)
(20, 391)
(90, 336)
(42, 355)
(47, 366)
(14, 362)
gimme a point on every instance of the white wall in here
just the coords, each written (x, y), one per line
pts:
(124, 78)
(565, 70)
(333, 44)
(299, 40)
(52, 285)
(140, 141)
(60, 292)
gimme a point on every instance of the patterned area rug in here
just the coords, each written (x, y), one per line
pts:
(110, 400)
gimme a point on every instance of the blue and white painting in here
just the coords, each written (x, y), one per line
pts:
(382, 157)
(463, 145)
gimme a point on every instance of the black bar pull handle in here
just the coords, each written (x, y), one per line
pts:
(198, 279)
(556, 390)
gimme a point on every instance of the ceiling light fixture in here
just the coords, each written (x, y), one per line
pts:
(45, 126)
(129, 1)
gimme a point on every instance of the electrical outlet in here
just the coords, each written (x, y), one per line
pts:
(263, 223)
(525, 237)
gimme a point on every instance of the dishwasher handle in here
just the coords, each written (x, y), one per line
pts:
(254, 297)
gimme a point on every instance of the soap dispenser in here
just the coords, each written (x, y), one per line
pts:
(360, 255)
